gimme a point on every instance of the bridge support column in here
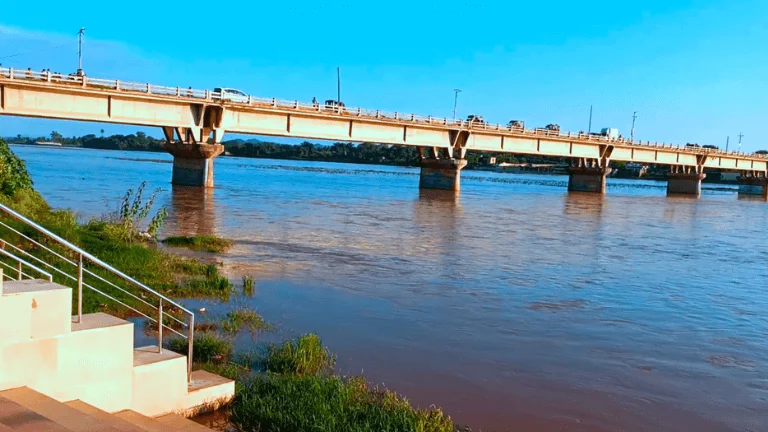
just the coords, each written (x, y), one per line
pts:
(442, 174)
(587, 179)
(193, 163)
(755, 184)
(682, 183)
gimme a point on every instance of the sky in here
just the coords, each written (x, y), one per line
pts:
(695, 71)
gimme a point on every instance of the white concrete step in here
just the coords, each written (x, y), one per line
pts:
(116, 422)
(159, 381)
(46, 308)
(93, 363)
(207, 392)
(57, 412)
(160, 385)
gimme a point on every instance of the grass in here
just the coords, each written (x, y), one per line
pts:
(209, 347)
(303, 356)
(207, 243)
(273, 403)
(249, 284)
(243, 319)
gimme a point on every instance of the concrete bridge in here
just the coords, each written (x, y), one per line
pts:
(194, 122)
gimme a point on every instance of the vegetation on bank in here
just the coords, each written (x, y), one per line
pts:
(123, 238)
(291, 387)
(207, 243)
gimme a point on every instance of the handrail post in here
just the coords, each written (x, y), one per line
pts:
(19, 270)
(80, 288)
(160, 328)
(191, 343)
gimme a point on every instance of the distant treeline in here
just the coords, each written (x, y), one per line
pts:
(367, 153)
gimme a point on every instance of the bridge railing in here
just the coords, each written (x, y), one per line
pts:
(180, 92)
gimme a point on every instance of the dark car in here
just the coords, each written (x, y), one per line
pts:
(475, 119)
(334, 105)
(516, 124)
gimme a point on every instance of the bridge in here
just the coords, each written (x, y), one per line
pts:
(195, 121)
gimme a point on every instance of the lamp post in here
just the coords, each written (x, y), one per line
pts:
(632, 132)
(455, 100)
(80, 52)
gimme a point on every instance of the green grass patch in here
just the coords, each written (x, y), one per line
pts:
(273, 403)
(207, 243)
(244, 319)
(209, 347)
(303, 356)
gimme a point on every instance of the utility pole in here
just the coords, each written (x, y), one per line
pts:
(338, 85)
(589, 130)
(80, 52)
(455, 100)
(740, 136)
(632, 132)
(727, 141)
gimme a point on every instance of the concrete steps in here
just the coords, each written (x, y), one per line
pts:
(47, 359)
(24, 409)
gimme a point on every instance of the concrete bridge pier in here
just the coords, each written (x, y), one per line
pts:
(440, 169)
(589, 174)
(442, 174)
(192, 154)
(193, 163)
(754, 184)
(685, 180)
(587, 178)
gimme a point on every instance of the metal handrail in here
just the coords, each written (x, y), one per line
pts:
(82, 255)
(152, 89)
(23, 262)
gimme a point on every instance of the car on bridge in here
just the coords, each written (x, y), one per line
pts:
(334, 105)
(232, 95)
(475, 119)
(516, 124)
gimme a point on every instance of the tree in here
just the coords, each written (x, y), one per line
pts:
(56, 137)
(102, 133)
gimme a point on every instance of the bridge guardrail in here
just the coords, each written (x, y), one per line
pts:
(84, 81)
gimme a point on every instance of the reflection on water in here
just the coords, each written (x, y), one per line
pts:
(515, 306)
(191, 211)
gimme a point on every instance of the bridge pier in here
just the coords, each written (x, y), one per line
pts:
(754, 185)
(193, 163)
(444, 174)
(587, 179)
(682, 183)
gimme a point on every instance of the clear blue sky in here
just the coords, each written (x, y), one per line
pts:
(696, 71)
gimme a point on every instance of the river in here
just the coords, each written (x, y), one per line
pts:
(514, 305)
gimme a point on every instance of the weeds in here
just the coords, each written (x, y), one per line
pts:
(304, 356)
(248, 285)
(207, 243)
(244, 319)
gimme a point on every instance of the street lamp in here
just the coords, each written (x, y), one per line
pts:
(632, 132)
(455, 99)
(80, 52)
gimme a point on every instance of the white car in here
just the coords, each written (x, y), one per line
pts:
(228, 94)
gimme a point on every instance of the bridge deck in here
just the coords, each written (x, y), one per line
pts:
(36, 94)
